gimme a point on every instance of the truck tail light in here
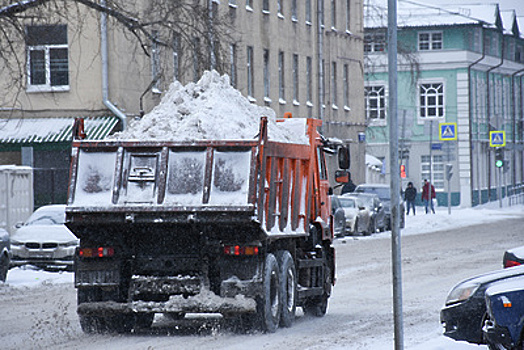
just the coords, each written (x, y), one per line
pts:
(510, 263)
(238, 250)
(100, 252)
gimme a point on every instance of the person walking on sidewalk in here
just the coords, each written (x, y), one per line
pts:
(410, 194)
(428, 193)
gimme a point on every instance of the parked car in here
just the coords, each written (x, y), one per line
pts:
(464, 312)
(339, 217)
(357, 215)
(503, 328)
(378, 214)
(5, 254)
(513, 257)
(384, 193)
(44, 241)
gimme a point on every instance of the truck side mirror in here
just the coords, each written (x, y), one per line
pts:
(342, 176)
(344, 160)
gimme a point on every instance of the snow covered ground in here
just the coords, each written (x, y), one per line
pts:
(22, 278)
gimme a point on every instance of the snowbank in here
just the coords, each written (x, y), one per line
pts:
(210, 109)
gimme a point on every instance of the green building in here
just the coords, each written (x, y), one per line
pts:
(460, 98)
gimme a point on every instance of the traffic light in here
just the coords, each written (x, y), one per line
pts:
(403, 171)
(499, 157)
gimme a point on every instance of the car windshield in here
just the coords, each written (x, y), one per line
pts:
(347, 202)
(47, 217)
(367, 200)
(381, 192)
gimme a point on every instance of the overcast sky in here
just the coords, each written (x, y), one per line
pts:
(517, 5)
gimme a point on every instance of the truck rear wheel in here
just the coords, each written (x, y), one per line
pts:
(288, 287)
(269, 307)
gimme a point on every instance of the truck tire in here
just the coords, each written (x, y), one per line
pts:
(288, 287)
(269, 307)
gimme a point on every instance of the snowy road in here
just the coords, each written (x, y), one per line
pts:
(38, 309)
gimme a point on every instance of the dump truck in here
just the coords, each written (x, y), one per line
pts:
(240, 228)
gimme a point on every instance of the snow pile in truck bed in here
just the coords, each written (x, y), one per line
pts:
(210, 109)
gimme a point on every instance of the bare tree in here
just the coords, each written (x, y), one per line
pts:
(172, 24)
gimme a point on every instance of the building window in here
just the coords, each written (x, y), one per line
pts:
(346, 86)
(155, 63)
(334, 85)
(348, 15)
(47, 58)
(309, 80)
(294, 16)
(176, 56)
(295, 79)
(280, 9)
(374, 41)
(233, 64)
(321, 13)
(266, 76)
(308, 12)
(437, 170)
(333, 14)
(196, 59)
(375, 101)
(431, 99)
(249, 5)
(430, 41)
(250, 84)
(281, 69)
(265, 6)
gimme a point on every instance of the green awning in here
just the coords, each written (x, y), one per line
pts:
(52, 130)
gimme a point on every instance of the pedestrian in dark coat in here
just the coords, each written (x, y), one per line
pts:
(410, 195)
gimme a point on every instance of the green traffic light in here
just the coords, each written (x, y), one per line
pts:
(499, 163)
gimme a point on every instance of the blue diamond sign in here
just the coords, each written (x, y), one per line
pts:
(447, 131)
(497, 138)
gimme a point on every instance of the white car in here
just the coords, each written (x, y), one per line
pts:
(357, 215)
(44, 241)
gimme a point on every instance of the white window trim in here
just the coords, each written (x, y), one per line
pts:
(378, 121)
(421, 120)
(47, 86)
(430, 32)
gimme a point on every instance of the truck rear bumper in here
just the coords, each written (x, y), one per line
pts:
(204, 302)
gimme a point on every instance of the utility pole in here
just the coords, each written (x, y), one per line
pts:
(394, 175)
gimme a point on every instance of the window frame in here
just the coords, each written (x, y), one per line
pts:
(431, 42)
(48, 64)
(438, 106)
(382, 107)
(437, 170)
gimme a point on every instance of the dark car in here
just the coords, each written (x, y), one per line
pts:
(5, 254)
(378, 214)
(339, 217)
(513, 257)
(505, 322)
(384, 193)
(464, 312)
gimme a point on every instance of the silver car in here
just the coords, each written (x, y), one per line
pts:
(357, 215)
(44, 241)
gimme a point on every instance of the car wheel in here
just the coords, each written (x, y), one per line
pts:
(4, 267)
(268, 306)
(356, 231)
(372, 227)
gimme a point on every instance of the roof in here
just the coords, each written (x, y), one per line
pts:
(47, 130)
(413, 13)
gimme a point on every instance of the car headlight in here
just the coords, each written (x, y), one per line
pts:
(461, 292)
(69, 244)
(17, 244)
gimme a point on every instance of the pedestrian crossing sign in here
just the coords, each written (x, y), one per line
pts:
(497, 138)
(447, 131)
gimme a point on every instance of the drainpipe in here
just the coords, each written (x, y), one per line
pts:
(320, 43)
(105, 79)
(477, 150)
(489, 111)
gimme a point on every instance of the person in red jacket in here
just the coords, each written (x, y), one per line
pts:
(428, 193)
